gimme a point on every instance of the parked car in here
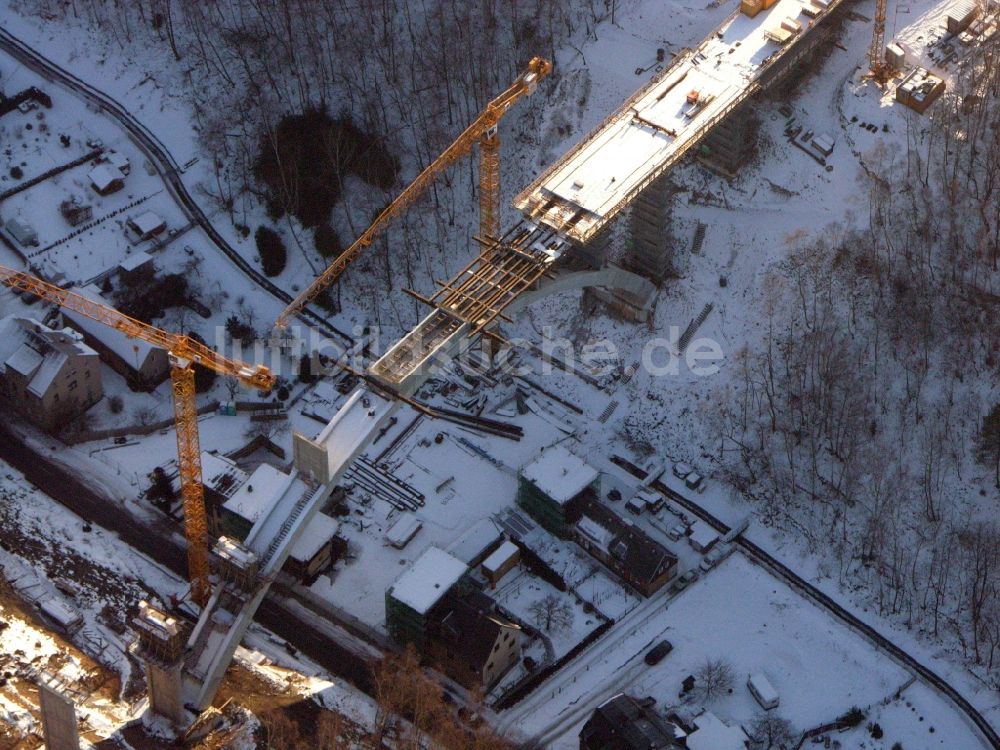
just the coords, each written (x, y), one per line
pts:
(656, 653)
(694, 481)
(677, 532)
(715, 556)
(681, 470)
(685, 579)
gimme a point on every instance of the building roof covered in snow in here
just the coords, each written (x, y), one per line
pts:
(103, 176)
(560, 474)
(264, 487)
(147, 223)
(134, 352)
(500, 556)
(314, 536)
(476, 541)
(428, 579)
(714, 734)
(38, 352)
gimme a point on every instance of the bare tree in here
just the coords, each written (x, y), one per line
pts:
(713, 678)
(552, 613)
(770, 731)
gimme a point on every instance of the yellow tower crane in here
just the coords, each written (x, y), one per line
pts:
(879, 68)
(483, 131)
(184, 353)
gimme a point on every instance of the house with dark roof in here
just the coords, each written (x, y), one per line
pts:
(626, 723)
(470, 641)
(627, 550)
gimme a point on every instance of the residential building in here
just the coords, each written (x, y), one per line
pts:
(626, 723)
(627, 550)
(409, 601)
(552, 487)
(469, 641)
(106, 179)
(146, 225)
(48, 375)
(143, 365)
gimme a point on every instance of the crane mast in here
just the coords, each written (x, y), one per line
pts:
(184, 352)
(876, 55)
(484, 131)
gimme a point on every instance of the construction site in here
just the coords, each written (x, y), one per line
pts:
(407, 514)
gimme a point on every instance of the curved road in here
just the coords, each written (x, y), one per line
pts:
(67, 489)
(160, 157)
(762, 558)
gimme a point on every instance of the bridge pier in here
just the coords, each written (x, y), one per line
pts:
(650, 250)
(161, 648)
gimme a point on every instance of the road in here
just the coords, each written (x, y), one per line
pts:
(160, 157)
(68, 490)
(782, 571)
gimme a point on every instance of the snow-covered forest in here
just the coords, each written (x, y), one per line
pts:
(858, 420)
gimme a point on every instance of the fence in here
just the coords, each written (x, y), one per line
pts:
(85, 436)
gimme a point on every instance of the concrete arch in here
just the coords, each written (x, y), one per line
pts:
(610, 277)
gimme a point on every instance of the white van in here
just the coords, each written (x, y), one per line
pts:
(762, 691)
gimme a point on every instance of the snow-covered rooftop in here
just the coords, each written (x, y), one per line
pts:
(499, 557)
(428, 579)
(713, 734)
(261, 490)
(560, 474)
(702, 535)
(103, 175)
(132, 351)
(320, 530)
(475, 540)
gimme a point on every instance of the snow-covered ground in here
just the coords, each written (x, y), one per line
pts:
(785, 197)
(740, 613)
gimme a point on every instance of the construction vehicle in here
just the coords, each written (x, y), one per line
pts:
(184, 353)
(484, 131)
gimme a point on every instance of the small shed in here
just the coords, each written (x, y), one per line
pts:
(23, 232)
(106, 179)
(503, 560)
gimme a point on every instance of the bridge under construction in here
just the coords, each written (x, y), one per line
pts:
(565, 214)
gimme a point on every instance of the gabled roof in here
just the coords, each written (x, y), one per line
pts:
(644, 557)
(622, 723)
(132, 351)
(103, 175)
(469, 624)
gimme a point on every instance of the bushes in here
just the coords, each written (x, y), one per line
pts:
(273, 256)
